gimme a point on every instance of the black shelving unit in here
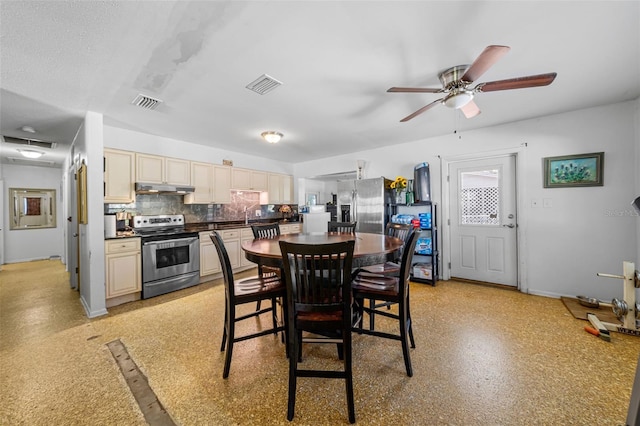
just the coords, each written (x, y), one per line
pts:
(424, 268)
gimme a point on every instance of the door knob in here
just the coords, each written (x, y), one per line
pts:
(510, 225)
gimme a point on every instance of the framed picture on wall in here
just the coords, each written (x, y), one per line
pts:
(574, 170)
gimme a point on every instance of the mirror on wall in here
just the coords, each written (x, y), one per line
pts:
(32, 208)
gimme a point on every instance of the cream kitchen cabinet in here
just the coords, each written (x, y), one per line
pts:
(202, 181)
(290, 228)
(212, 184)
(157, 169)
(221, 184)
(119, 174)
(231, 238)
(209, 260)
(248, 180)
(246, 234)
(280, 188)
(123, 273)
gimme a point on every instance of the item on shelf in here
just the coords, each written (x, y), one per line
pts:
(404, 219)
(425, 220)
(423, 271)
(424, 246)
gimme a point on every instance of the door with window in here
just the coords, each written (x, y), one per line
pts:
(483, 220)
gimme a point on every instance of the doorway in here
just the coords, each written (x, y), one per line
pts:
(483, 220)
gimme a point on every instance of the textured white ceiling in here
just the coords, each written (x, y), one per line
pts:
(336, 60)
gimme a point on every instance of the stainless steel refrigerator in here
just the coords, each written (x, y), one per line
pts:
(366, 201)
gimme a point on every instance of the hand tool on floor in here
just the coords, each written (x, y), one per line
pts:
(592, 330)
(602, 330)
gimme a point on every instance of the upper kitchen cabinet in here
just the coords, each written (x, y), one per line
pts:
(202, 181)
(119, 176)
(280, 189)
(248, 180)
(157, 169)
(221, 184)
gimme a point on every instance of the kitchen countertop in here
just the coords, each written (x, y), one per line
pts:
(209, 226)
(214, 226)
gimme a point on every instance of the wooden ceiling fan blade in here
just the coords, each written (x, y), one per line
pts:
(517, 83)
(489, 56)
(414, 90)
(421, 110)
(470, 110)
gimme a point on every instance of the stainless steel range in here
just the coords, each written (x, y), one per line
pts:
(170, 255)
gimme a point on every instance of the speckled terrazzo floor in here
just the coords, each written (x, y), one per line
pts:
(484, 356)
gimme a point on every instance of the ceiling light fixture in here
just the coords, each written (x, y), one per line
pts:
(28, 129)
(459, 99)
(271, 137)
(30, 153)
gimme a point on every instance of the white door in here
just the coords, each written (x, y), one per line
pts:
(483, 220)
(72, 228)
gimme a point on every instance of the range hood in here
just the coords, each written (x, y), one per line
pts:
(154, 188)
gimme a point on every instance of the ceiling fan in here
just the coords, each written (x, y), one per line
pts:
(456, 81)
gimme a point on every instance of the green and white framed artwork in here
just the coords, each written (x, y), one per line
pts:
(574, 170)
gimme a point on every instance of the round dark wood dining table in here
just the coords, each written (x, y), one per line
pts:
(369, 249)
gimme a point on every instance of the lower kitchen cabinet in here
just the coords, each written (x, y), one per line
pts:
(209, 260)
(245, 235)
(290, 228)
(123, 273)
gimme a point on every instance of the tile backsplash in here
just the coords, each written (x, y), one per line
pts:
(153, 204)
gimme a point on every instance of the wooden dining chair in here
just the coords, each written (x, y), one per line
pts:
(392, 265)
(318, 281)
(243, 291)
(343, 227)
(260, 232)
(367, 286)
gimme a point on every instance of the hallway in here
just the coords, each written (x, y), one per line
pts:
(484, 356)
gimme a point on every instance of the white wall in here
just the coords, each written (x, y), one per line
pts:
(32, 244)
(585, 232)
(129, 140)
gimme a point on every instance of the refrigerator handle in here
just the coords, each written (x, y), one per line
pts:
(354, 205)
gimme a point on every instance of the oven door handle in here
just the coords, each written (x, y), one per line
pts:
(172, 240)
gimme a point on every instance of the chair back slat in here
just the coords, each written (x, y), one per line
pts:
(402, 231)
(317, 276)
(342, 227)
(265, 231)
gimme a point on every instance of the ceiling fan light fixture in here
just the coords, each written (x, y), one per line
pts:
(272, 137)
(30, 153)
(458, 100)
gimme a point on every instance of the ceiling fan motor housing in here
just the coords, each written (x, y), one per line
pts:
(451, 77)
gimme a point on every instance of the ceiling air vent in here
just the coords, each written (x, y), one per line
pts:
(30, 142)
(263, 84)
(146, 102)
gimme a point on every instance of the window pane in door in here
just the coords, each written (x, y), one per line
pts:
(480, 197)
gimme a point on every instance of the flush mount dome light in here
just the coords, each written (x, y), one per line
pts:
(30, 153)
(458, 99)
(272, 137)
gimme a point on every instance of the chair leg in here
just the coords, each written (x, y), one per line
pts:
(372, 315)
(229, 351)
(224, 330)
(404, 339)
(274, 313)
(293, 361)
(348, 368)
(410, 326)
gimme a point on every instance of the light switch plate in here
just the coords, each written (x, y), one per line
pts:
(547, 203)
(535, 203)
(258, 213)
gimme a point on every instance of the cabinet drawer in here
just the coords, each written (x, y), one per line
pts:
(247, 232)
(123, 245)
(230, 234)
